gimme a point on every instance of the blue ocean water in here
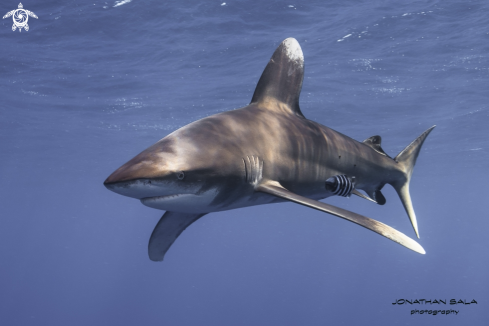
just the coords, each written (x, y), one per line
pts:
(91, 84)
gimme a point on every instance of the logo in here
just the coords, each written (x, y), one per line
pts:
(20, 17)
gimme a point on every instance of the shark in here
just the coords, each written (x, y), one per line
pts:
(266, 152)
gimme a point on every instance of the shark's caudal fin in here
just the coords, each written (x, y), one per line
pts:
(407, 160)
(282, 78)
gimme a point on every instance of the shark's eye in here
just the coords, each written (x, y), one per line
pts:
(180, 175)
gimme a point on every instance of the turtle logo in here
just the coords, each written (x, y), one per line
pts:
(20, 17)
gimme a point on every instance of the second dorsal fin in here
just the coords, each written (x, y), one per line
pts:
(374, 142)
(282, 78)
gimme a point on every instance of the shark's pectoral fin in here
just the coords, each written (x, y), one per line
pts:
(167, 231)
(274, 188)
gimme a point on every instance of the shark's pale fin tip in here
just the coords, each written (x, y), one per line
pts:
(414, 223)
(421, 250)
(293, 50)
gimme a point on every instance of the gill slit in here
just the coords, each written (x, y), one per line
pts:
(253, 167)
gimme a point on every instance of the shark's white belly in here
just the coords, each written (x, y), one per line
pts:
(206, 202)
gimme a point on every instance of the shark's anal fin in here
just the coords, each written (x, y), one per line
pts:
(167, 231)
(274, 188)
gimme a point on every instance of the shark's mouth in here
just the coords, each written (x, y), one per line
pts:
(185, 202)
(148, 201)
(164, 197)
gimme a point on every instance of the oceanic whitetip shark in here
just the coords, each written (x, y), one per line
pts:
(266, 152)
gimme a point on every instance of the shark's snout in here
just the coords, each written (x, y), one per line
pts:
(120, 181)
(135, 169)
(140, 188)
(111, 180)
(139, 178)
(120, 175)
(155, 162)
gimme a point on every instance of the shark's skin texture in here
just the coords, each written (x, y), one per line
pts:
(266, 152)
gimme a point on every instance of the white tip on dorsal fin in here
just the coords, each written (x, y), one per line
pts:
(294, 51)
(282, 78)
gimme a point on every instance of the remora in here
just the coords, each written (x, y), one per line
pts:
(266, 152)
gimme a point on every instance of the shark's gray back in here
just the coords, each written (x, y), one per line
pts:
(299, 153)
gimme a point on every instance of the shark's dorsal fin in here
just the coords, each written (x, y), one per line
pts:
(374, 142)
(282, 78)
(276, 189)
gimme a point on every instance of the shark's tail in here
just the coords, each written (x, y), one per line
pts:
(407, 160)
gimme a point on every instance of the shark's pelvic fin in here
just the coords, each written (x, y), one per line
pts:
(167, 231)
(282, 78)
(377, 196)
(407, 159)
(274, 188)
